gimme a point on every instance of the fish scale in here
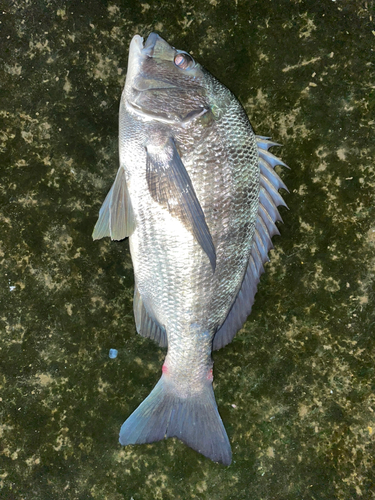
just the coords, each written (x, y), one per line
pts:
(197, 195)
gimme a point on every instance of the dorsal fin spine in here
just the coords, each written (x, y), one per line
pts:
(265, 229)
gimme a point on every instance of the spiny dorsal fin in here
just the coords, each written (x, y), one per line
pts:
(265, 228)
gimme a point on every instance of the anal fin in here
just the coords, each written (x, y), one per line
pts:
(146, 324)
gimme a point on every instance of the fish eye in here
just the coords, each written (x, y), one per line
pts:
(183, 60)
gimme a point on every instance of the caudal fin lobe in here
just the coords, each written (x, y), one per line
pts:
(195, 420)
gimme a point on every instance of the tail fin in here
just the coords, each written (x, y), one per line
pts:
(195, 420)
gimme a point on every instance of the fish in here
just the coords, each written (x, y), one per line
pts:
(197, 195)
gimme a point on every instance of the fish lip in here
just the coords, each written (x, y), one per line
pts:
(136, 46)
(143, 50)
(134, 61)
(148, 48)
(138, 51)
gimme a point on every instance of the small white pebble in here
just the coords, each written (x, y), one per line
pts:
(113, 353)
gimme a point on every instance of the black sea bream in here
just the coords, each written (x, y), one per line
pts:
(197, 195)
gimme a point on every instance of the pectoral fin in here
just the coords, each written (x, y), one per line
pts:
(170, 185)
(116, 218)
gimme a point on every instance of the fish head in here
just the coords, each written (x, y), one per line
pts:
(165, 84)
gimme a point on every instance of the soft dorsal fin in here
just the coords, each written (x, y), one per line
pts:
(116, 217)
(265, 228)
(170, 186)
(146, 324)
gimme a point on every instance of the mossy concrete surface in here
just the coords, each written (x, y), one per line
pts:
(296, 386)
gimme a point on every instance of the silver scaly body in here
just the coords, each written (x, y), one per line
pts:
(196, 193)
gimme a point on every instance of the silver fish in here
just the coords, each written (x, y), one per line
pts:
(197, 195)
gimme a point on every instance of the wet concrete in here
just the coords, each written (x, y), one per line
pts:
(296, 386)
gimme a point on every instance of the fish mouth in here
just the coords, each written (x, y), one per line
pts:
(138, 83)
(136, 79)
(149, 46)
(134, 62)
(137, 47)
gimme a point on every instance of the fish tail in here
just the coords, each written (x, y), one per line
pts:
(195, 420)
